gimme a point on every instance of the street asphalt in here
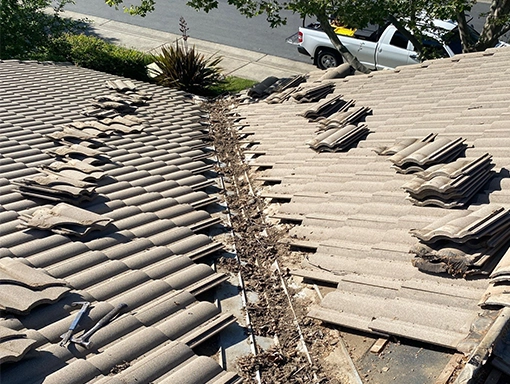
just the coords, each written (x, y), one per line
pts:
(236, 62)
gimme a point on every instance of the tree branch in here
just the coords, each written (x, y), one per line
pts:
(348, 56)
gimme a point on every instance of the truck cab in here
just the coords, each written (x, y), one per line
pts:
(377, 47)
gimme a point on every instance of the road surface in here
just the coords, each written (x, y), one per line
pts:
(224, 25)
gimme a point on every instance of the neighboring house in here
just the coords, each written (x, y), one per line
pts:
(102, 200)
(417, 257)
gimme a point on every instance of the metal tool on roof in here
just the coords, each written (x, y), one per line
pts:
(83, 340)
(67, 336)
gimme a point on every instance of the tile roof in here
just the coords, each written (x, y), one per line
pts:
(148, 179)
(351, 207)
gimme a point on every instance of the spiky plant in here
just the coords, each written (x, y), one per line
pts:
(186, 69)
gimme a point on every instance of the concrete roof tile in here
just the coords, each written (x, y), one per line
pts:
(128, 349)
(167, 188)
(165, 306)
(87, 278)
(8, 222)
(123, 156)
(81, 370)
(124, 191)
(147, 369)
(183, 278)
(153, 291)
(22, 244)
(14, 348)
(134, 220)
(37, 366)
(148, 202)
(8, 195)
(168, 157)
(151, 228)
(188, 374)
(177, 174)
(59, 252)
(119, 285)
(73, 265)
(124, 249)
(21, 300)
(14, 272)
(107, 240)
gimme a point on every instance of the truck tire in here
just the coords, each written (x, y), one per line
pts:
(328, 58)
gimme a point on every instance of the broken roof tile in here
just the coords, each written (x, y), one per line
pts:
(13, 345)
(55, 180)
(69, 132)
(312, 92)
(463, 243)
(121, 85)
(75, 149)
(74, 173)
(327, 108)
(65, 219)
(14, 272)
(21, 300)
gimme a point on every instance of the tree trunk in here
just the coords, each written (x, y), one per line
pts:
(418, 46)
(348, 56)
(493, 27)
(463, 31)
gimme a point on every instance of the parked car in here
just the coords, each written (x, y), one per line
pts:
(377, 47)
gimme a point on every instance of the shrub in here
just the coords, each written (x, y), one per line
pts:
(186, 69)
(94, 53)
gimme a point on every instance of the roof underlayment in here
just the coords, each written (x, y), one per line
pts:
(101, 201)
(358, 209)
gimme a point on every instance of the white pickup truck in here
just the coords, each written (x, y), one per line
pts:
(376, 47)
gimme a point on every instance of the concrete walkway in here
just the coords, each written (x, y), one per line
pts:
(237, 62)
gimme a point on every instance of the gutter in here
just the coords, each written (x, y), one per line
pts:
(497, 333)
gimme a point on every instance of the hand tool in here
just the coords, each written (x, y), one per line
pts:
(83, 340)
(66, 336)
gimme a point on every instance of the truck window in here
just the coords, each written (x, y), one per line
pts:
(399, 40)
(433, 49)
(452, 39)
(371, 32)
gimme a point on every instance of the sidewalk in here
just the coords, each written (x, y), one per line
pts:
(236, 62)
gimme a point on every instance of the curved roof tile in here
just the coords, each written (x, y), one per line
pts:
(145, 258)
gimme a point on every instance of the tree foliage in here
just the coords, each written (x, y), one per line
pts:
(26, 28)
(141, 9)
(406, 15)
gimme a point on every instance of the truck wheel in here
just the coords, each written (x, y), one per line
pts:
(327, 58)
